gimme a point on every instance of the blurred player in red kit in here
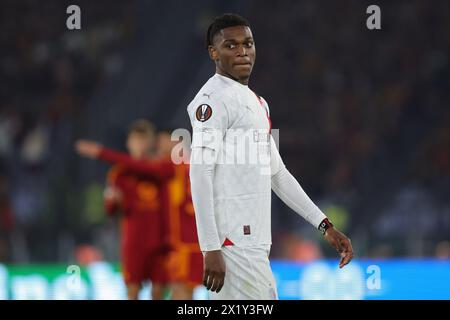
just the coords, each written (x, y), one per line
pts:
(136, 187)
(186, 260)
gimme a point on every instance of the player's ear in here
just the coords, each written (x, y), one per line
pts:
(213, 54)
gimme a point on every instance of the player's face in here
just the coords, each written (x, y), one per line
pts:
(234, 52)
(139, 145)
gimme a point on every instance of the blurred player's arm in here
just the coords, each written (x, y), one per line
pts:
(161, 169)
(292, 194)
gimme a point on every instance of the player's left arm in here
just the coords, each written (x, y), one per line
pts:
(289, 190)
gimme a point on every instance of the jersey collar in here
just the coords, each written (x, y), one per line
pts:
(229, 80)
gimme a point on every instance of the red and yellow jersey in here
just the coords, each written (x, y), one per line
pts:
(158, 211)
(140, 193)
(186, 261)
(144, 202)
(183, 229)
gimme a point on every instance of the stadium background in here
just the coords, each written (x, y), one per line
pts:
(364, 123)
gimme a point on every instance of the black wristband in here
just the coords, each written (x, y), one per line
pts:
(324, 225)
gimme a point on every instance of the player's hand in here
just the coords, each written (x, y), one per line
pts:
(113, 194)
(89, 149)
(341, 243)
(214, 271)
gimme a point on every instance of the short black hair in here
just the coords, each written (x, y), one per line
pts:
(226, 20)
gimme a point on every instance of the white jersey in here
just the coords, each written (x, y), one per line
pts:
(229, 118)
(242, 187)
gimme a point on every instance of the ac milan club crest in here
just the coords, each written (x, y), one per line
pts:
(203, 113)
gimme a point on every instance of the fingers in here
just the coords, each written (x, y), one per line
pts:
(342, 244)
(347, 254)
(208, 280)
(215, 284)
(213, 281)
(205, 278)
(220, 286)
(345, 260)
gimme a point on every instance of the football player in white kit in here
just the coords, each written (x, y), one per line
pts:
(234, 166)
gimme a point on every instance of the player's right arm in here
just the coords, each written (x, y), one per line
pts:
(209, 121)
(159, 169)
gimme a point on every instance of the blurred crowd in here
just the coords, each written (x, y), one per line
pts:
(48, 74)
(363, 116)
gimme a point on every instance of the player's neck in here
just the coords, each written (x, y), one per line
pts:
(241, 81)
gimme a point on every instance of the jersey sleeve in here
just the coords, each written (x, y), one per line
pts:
(209, 120)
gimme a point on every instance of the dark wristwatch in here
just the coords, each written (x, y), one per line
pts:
(324, 225)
